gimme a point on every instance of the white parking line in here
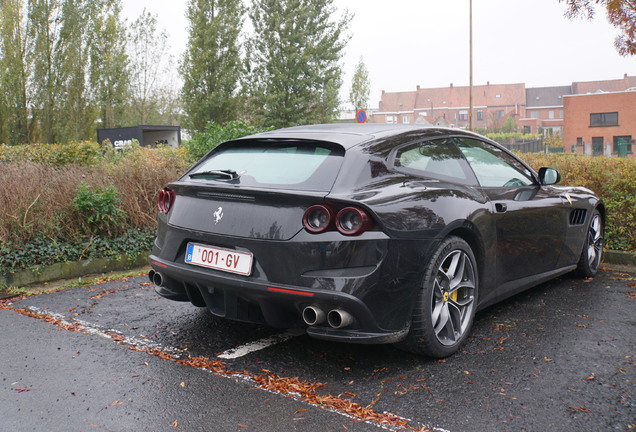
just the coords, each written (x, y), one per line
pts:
(234, 353)
(98, 330)
(141, 342)
(258, 345)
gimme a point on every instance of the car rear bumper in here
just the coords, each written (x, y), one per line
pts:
(372, 279)
(276, 305)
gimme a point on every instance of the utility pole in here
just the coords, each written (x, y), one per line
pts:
(470, 61)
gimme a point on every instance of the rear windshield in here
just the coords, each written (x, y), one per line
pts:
(274, 164)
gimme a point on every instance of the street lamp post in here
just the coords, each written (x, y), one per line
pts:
(470, 61)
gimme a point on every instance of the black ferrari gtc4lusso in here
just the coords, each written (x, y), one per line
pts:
(368, 233)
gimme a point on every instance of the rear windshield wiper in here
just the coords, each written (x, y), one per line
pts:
(227, 174)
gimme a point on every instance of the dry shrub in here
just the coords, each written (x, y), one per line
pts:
(140, 176)
(38, 197)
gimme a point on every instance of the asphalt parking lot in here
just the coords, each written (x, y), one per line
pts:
(115, 356)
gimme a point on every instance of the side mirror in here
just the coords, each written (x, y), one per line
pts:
(549, 176)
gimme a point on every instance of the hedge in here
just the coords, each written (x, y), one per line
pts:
(613, 179)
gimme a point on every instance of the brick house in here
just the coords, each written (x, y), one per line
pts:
(492, 104)
(617, 85)
(600, 123)
(535, 110)
(544, 110)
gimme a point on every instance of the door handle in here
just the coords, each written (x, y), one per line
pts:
(501, 207)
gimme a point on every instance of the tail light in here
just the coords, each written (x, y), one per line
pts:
(349, 221)
(317, 218)
(352, 221)
(166, 199)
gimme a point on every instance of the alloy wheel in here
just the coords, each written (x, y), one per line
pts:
(453, 297)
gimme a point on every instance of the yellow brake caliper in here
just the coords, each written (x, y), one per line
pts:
(454, 295)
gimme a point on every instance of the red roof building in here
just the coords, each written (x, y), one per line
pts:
(492, 104)
(535, 110)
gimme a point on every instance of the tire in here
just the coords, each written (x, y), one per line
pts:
(445, 308)
(592, 253)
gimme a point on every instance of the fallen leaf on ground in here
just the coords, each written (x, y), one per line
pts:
(23, 389)
(582, 409)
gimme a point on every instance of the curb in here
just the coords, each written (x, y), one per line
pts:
(619, 258)
(73, 269)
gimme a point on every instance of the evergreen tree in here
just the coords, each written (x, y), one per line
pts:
(109, 64)
(359, 93)
(75, 115)
(71, 73)
(13, 74)
(211, 65)
(294, 57)
(44, 17)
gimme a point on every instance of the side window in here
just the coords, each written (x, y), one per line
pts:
(438, 159)
(492, 166)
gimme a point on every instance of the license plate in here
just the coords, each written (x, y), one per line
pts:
(219, 259)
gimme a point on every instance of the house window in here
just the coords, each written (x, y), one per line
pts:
(551, 115)
(527, 130)
(499, 114)
(604, 119)
(463, 115)
(623, 145)
(534, 114)
(480, 115)
(390, 119)
(561, 114)
(597, 146)
(406, 120)
(579, 141)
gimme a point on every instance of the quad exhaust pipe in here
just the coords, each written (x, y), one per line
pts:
(336, 318)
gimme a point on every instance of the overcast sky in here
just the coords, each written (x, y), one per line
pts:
(405, 43)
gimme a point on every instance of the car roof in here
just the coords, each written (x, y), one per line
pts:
(352, 134)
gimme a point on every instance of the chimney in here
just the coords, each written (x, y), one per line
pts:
(487, 83)
(451, 85)
(417, 87)
(625, 76)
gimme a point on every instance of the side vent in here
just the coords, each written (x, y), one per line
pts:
(577, 217)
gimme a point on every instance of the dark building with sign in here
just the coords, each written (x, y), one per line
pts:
(148, 136)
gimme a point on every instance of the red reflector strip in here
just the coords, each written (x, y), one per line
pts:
(159, 264)
(289, 291)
